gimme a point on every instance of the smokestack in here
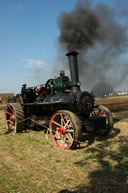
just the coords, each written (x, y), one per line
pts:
(72, 56)
(97, 32)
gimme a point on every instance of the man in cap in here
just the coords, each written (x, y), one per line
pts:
(23, 91)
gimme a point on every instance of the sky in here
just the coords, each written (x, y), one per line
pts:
(28, 40)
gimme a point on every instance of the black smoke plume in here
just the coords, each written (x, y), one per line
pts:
(78, 29)
(102, 89)
(100, 34)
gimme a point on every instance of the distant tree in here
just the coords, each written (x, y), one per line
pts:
(8, 99)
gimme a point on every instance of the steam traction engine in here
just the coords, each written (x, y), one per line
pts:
(62, 106)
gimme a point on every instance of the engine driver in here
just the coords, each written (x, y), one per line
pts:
(24, 91)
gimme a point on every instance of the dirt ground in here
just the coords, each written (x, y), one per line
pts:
(115, 104)
(31, 163)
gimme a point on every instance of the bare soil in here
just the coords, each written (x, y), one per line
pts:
(115, 104)
(31, 163)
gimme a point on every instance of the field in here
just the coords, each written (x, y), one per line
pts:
(30, 162)
(115, 104)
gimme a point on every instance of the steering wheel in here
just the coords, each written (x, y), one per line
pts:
(49, 86)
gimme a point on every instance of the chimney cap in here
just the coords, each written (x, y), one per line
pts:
(74, 53)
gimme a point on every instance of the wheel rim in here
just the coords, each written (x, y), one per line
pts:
(62, 130)
(10, 118)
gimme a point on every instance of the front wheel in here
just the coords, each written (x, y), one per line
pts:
(65, 129)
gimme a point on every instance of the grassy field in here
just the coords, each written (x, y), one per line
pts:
(115, 104)
(30, 163)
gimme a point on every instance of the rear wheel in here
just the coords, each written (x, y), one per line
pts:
(100, 110)
(19, 99)
(14, 116)
(65, 129)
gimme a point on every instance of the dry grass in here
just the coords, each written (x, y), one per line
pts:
(29, 163)
(118, 103)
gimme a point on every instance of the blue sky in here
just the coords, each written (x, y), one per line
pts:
(28, 38)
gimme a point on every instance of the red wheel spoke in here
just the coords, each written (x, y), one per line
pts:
(70, 126)
(94, 114)
(62, 120)
(55, 135)
(11, 108)
(9, 113)
(64, 141)
(97, 113)
(102, 113)
(66, 124)
(10, 125)
(69, 137)
(56, 123)
(69, 131)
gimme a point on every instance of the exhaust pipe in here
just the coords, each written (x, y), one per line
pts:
(75, 84)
